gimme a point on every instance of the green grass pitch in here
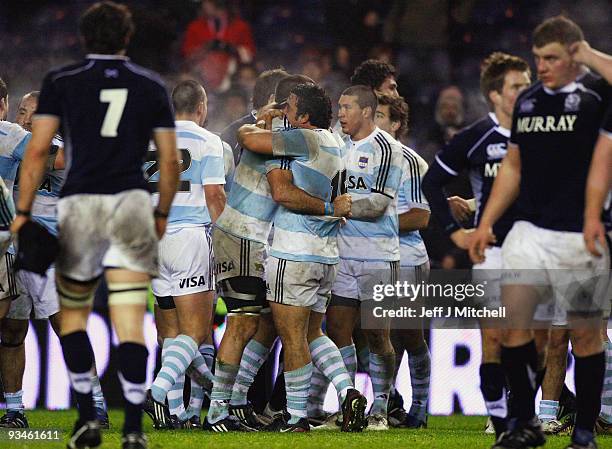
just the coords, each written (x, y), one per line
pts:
(444, 432)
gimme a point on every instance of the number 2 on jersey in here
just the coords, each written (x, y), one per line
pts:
(116, 99)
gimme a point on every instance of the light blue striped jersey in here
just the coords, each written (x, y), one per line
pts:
(317, 169)
(44, 208)
(13, 142)
(374, 164)
(201, 160)
(7, 207)
(229, 166)
(410, 196)
(249, 209)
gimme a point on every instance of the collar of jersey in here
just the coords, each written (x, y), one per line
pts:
(500, 129)
(187, 124)
(365, 139)
(113, 57)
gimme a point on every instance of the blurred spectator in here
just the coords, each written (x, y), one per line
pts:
(231, 105)
(244, 78)
(449, 118)
(216, 41)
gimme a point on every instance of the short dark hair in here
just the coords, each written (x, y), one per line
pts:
(265, 85)
(3, 89)
(494, 69)
(366, 98)
(312, 100)
(187, 95)
(372, 73)
(398, 111)
(284, 86)
(106, 27)
(557, 29)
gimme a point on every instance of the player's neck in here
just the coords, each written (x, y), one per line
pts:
(365, 130)
(188, 117)
(504, 120)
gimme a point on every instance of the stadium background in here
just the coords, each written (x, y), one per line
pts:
(436, 46)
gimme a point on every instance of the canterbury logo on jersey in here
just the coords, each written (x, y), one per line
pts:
(356, 182)
(195, 281)
(223, 267)
(546, 124)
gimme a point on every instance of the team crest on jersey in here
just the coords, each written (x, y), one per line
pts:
(363, 162)
(572, 102)
(496, 150)
(527, 105)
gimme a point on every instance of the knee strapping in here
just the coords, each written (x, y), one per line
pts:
(72, 299)
(127, 293)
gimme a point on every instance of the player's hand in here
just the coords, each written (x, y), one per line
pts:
(480, 240)
(17, 223)
(460, 208)
(160, 226)
(462, 238)
(268, 115)
(580, 51)
(342, 205)
(593, 233)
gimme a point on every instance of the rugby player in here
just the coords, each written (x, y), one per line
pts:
(555, 126)
(38, 296)
(185, 288)
(304, 254)
(413, 215)
(109, 108)
(369, 242)
(240, 238)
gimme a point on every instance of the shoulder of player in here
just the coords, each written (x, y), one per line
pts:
(383, 141)
(412, 156)
(12, 129)
(147, 76)
(471, 135)
(69, 69)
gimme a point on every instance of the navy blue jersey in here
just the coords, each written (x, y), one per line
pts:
(480, 149)
(108, 109)
(556, 133)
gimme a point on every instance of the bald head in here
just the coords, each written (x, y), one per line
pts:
(27, 108)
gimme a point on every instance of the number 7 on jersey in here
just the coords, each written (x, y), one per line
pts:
(116, 99)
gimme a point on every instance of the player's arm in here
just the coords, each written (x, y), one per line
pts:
(597, 188)
(284, 192)
(436, 178)
(165, 142)
(504, 192)
(34, 165)
(255, 139)
(215, 200)
(59, 161)
(601, 62)
(416, 219)
(416, 216)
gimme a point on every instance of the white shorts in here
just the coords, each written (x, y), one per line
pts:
(414, 274)
(106, 231)
(186, 263)
(38, 295)
(559, 265)
(490, 272)
(356, 278)
(302, 284)
(235, 256)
